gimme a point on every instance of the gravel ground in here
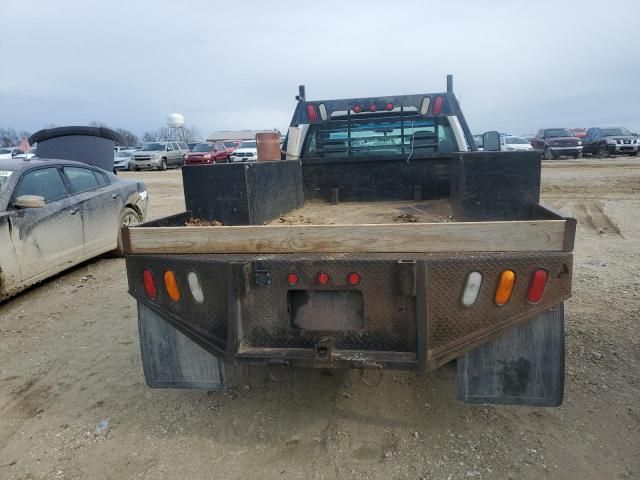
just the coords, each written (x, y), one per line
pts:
(73, 403)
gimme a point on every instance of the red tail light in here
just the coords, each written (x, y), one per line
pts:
(353, 279)
(323, 278)
(536, 287)
(311, 111)
(292, 279)
(372, 107)
(437, 106)
(357, 108)
(149, 284)
(389, 106)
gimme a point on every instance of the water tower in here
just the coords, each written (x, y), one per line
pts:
(175, 122)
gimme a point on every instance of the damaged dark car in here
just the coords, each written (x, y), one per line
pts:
(58, 213)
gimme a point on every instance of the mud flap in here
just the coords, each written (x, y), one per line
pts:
(524, 366)
(172, 360)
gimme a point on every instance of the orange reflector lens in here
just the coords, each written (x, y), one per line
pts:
(149, 284)
(536, 287)
(171, 285)
(505, 287)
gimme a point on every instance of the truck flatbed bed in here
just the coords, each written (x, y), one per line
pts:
(381, 212)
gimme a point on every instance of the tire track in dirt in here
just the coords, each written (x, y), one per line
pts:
(26, 402)
(592, 218)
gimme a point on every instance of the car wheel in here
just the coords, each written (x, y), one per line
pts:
(548, 154)
(602, 151)
(577, 155)
(128, 217)
(163, 165)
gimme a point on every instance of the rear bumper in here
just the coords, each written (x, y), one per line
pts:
(405, 313)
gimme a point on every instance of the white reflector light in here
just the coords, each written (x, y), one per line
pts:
(424, 108)
(471, 289)
(323, 112)
(194, 286)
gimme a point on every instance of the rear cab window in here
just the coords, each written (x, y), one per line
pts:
(44, 182)
(381, 136)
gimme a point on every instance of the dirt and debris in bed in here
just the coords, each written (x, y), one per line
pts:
(323, 213)
(199, 222)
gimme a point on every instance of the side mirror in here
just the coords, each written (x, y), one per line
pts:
(29, 201)
(491, 141)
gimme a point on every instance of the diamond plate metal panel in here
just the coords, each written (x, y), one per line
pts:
(451, 325)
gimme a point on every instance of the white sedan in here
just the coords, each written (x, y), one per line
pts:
(7, 153)
(246, 152)
(510, 143)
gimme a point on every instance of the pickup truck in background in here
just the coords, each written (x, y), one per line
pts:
(412, 250)
(603, 142)
(554, 142)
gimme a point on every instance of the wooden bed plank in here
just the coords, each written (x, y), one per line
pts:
(514, 236)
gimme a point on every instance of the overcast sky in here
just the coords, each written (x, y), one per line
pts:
(518, 65)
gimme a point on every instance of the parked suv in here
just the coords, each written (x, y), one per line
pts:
(610, 141)
(159, 155)
(554, 142)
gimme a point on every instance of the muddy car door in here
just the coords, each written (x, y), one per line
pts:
(50, 236)
(101, 205)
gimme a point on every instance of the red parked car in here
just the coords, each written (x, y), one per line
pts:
(206, 153)
(579, 132)
(231, 145)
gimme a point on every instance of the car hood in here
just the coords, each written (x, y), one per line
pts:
(620, 137)
(198, 154)
(141, 153)
(245, 150)
(519, 146)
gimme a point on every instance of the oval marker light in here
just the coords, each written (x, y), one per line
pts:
(424, 108)
(505, 287)
(471, 289)
(323, 278)
(149, 284)
(323, 112)
(536, 287)
(194, 286)
(171, 285)
(353, 279)
(292, 279)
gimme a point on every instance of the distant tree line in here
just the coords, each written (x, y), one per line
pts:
(9, 137)
(188, 134)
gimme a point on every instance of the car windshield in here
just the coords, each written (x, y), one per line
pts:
(152, 147)
(230, 144)
(249, 144)
(516, 140)
(614, 132)
(202, 147)
(558, 132)
(124, 153)
(5, 176)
